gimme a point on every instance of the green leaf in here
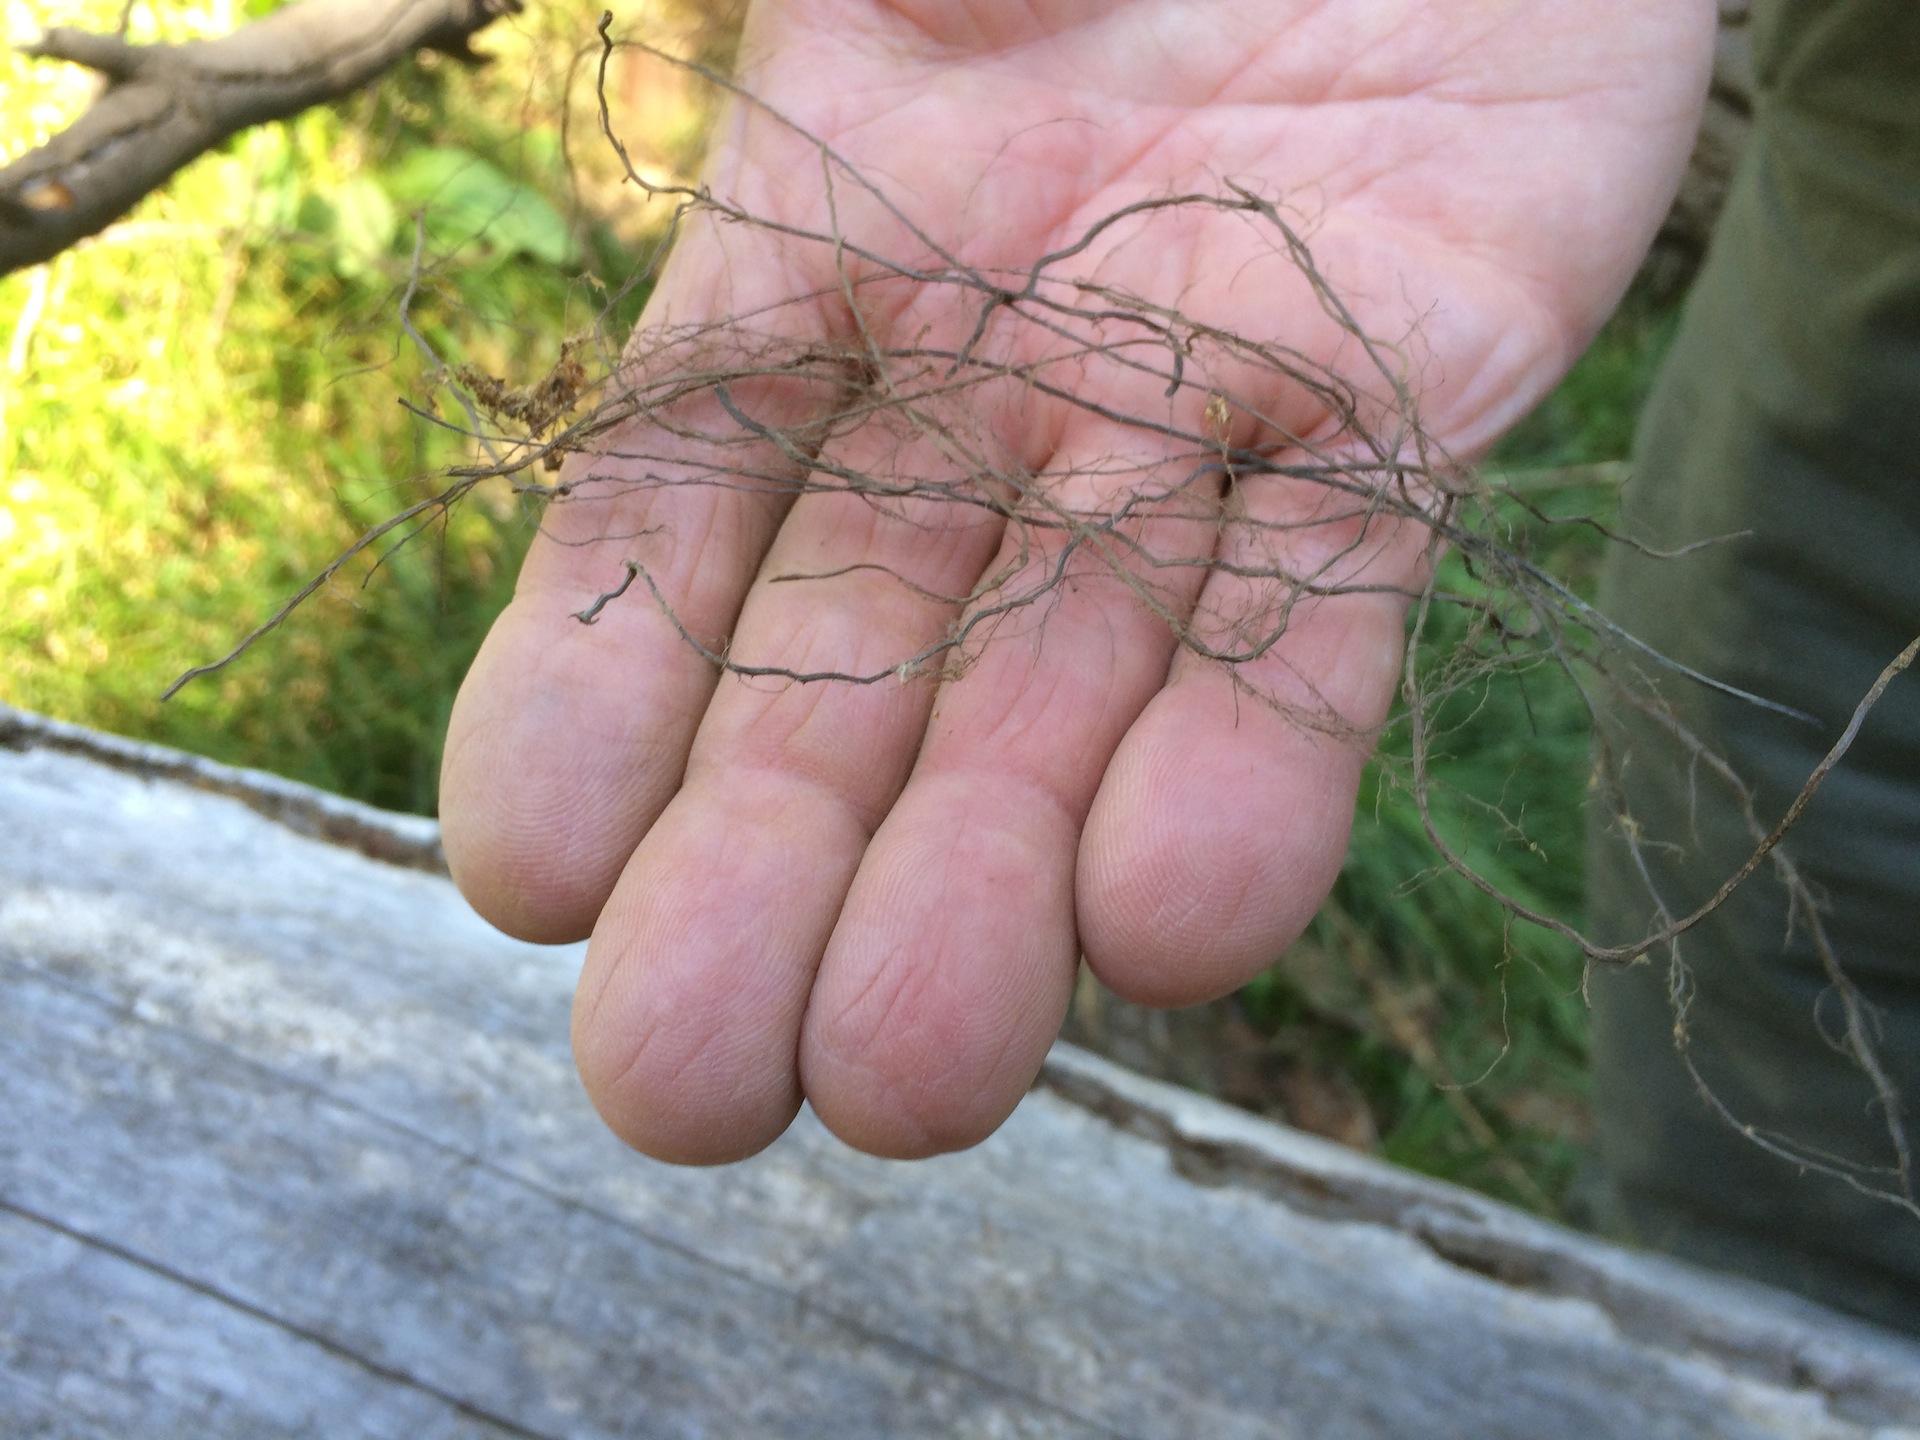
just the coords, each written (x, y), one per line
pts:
(364, 221)
(466, 200)
(280, 187)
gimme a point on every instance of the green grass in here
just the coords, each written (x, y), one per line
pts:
(201, 412)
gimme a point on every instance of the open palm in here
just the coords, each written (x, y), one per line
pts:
(874, 896)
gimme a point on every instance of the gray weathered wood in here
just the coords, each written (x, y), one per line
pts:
(291, 1146)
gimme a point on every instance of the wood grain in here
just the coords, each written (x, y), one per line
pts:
(291, 1146)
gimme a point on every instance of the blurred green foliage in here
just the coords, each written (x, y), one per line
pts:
(198, 411)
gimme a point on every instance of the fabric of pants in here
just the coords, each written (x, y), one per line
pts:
(1787, 414)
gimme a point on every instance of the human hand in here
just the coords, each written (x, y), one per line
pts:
(875, 896)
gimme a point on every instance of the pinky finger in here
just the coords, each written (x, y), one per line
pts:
(1223, 819)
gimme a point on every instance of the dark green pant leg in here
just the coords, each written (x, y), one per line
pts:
(1789, 409)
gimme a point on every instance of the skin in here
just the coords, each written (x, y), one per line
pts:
(874, 898)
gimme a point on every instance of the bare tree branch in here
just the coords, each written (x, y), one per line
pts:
(163, 105)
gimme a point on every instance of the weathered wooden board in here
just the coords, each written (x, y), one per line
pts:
(291, 1146)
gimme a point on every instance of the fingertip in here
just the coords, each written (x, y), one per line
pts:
(556, 765)
(504, 868)
(687, 1019)
(949, 973)
(677, 1069)
(907, 1095)
(879, 1117)
(1209, 848)
(646, 1099)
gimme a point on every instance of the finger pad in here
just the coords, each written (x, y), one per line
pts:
(946, 979)
(560, 754)
(688, 1018)
(1214, 838)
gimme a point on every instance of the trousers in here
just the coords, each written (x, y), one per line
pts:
(1787, 415)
